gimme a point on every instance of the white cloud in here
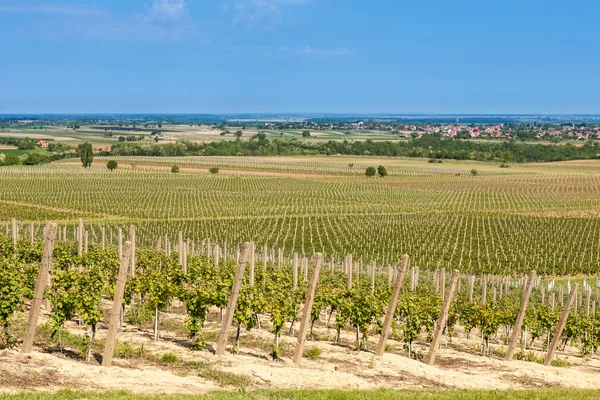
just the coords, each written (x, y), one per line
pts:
(261, 13)
(167, 10)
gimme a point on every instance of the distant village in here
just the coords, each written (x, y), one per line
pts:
(461, 131)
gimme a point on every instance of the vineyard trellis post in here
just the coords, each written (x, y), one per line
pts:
(132, 255)
(15, 234)
(235, 291)
(40, 285)
(115, 312)
(560, 327)
(308, 304)
(80, 237)
(389, 315)
(441, 322)
(516, 333)
(295, 271)
(252, 251)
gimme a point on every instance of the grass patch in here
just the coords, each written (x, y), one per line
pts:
(224, 378)
(312, 352)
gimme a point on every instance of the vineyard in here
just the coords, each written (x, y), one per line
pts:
(497, 222)
(302, 263)
(402, 310)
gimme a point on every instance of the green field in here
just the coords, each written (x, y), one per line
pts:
(500, 221)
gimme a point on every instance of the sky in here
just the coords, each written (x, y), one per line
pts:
(312, 56)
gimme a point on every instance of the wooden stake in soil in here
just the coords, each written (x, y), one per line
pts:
(389, 315)
(132, 255)
(308, 304)
(295, 272)
(471, 286)
(251, 261)
(235, 291)
(349, 270)
(516, 332)
(15, 233)
(80, 237)
(441, 322)
(40, 285)
(115, 313)
(561, 325)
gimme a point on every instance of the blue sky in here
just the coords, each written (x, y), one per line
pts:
(322, 56)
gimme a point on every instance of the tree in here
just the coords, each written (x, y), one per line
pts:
(474, 172)
(382, 171)
(306, 134)
(214, 170)
(11, 159)
(86, 153)
(26, 144)
(175, 169)
(370, 172)
(238, 134)
(111, 165)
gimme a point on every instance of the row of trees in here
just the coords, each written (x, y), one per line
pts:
(427, 146)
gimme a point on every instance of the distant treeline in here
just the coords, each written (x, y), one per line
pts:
(427, 146)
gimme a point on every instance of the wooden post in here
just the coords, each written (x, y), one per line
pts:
(31, 233)
(349, 270)
(85, 241)
(115, 313)
(15, 233)
(295, 271)
(216, 255)
(305, 268)
(264, 257)
(103, 234)
(80, 237)
(389, 315)
(471, 286)
(561, 325)
(120, 244)
(308, 304)
(442, 282)
(40, 285)
(132, 255)
(516, 333)
(180, 248)
(483, 290)
(235, 291)
(252, 250)
(441, 322)
(588, 294)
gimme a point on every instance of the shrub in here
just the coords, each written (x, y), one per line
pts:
(175, 169)
(503, 165)
(474, 172)
(312, 352)
(170, 358)
(382, 171)
(214, 170)
(370, 171)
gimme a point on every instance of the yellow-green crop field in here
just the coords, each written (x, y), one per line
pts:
(498, 221)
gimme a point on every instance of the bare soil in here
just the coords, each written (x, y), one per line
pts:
(339, 366)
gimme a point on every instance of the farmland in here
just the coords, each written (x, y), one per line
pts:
(492, 224)
(500, 221)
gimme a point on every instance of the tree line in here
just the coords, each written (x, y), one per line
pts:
(427, 146)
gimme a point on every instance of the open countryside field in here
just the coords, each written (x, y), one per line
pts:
(494, 226)
(500, 221)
